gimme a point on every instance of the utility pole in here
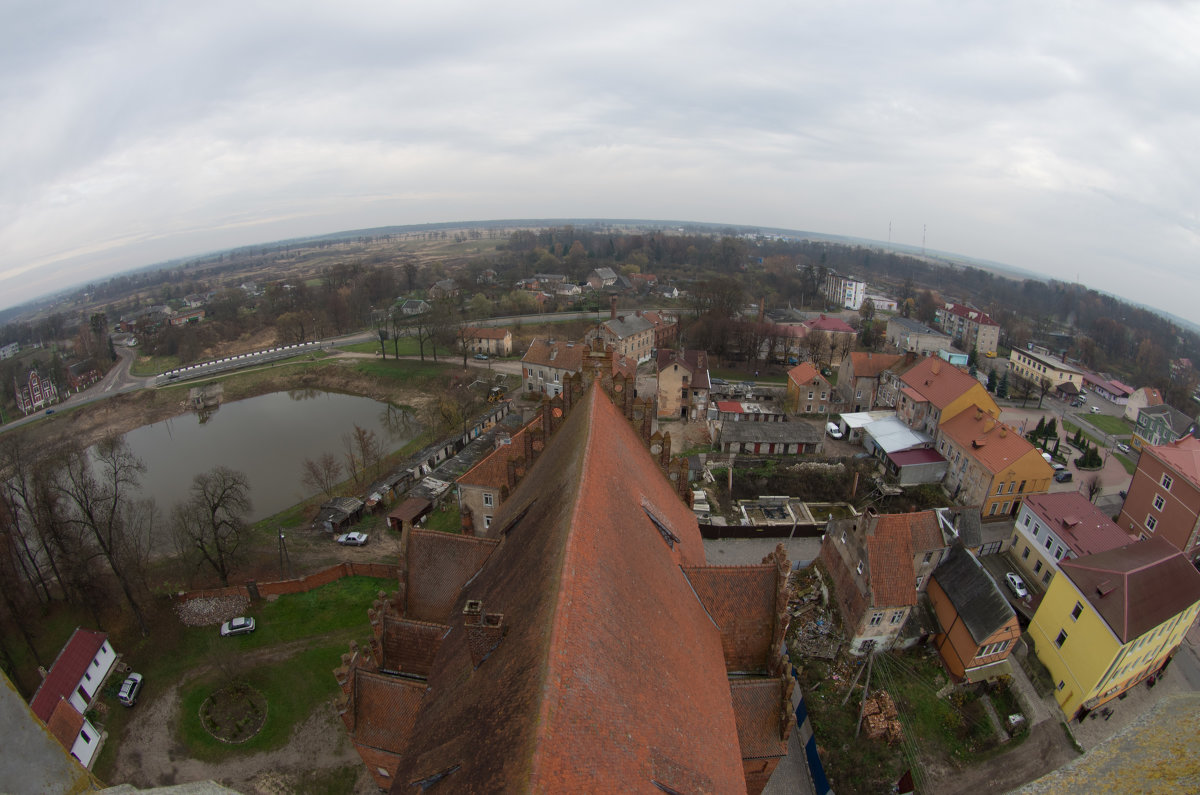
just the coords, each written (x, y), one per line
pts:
(283, 555)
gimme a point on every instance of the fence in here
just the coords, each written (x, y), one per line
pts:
(300, 584)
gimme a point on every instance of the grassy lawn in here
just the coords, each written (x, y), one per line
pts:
(446, 519)
(404, 369)
(153, 365)
(1117, 426)
(407, 347)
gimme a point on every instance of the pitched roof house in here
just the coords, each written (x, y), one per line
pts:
(1158, 425)
(878, 564)
(547, 364)
(991, 465)
(683, 384)
(1055, 527)
(69, 688)
(1164, 496)
(584, 645)
(858, 377)
(978, 626)
(932, 391)
(487, 339)
(807, 391)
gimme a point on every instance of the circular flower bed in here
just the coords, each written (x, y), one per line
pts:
(234, 713)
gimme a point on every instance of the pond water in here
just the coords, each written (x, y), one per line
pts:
(267, 437)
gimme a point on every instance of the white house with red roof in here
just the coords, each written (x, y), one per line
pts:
(69, 688)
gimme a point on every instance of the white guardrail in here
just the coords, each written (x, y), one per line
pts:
(235, 362)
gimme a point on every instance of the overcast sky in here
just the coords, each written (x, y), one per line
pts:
(1060, 138)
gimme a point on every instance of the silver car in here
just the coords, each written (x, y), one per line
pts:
(237, 626)
(128, 692)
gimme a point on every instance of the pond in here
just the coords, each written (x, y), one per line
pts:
(267, 437)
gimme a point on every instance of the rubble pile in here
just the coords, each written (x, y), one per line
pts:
(210, 611)
(880, 718)
(814, 633)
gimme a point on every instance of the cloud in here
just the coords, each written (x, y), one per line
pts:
(1053, 137)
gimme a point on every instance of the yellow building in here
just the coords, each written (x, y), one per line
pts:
(1111, 620)
(1037, 364)
(990, 464)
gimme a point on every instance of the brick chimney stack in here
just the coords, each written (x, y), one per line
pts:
(484, 631)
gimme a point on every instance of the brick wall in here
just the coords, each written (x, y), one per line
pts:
(304, 583)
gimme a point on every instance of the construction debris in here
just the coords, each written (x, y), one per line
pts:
(881, 718)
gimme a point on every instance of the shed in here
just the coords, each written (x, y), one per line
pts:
(409, 511)
(338, 514)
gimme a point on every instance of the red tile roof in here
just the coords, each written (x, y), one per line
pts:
(385, 709)
(757, 703)
(1081, 525)
(65, 723)
(890, 561)
(924, 455)
(993, 444)
(967, 312)
(67, 671)
(805, 373)
(492, 470)
(870, 365)
(730, 406)
(828, 324)
(610, 673)
(741, 600)
(1136, 587)
(941, 383)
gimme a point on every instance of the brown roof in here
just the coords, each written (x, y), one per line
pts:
(65, 723)
(890, 550)
(870, 365)
(941, 383)
(485, 333)
(492, 471)
(1136, 587)
(610, 675)
(438, 564)
(385, 709)
(695, 361)
(1081, 525)
(995, 445)
(569, 356)
(410, 509)
(741, 601)
(756, 703)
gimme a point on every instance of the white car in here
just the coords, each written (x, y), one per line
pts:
(1016, 585)
(1124, 448)
(352, 539)
(237, 626)
(1056, 466)
(1095, 409)
(130, 688)
(833, 430)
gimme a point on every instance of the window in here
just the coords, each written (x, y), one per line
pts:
(876, 619)
(1151, 523)
(1077, 611)
(1005, 508)
(1166, 482)
(1046, 577)
(1061, 639)
(1058, 553)
(487, 521)
(1037, 529)
(1000, 488)
(995, 507)
(1159, 502)
(860, 567)
(1037, 567)
(843, 536)
(1021, 490)
(1049, 541)
(1060, 685)
(1025, 552)
(87, 738)
(488, 499)
(1012, 484)
(897, 617)
(928, 556)
(920, 580)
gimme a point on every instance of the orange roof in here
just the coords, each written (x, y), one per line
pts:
(804, 373)
(992, 443)
(870, 365)
(65, 723)
(609, 674)
(941, 383)
(890, 555)
(493, 469)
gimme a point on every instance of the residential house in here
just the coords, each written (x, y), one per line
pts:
(969, 328)
(81, 375)
(548, 363)
(551, 654)
(932, 391)
(483, 488)
(70, 686)
(666, 328)
(840, 333)
(912, 336)
(844, 291)
(878, 565)
(683, 385)
(414, 306)
(808, 392)
(35, 760)
(1036, 364)
(1110, 389)
(882, 303)
(771, 438)
(1054, 527)
(1159, 425)
(187, 317)
(444, 288)
(1140, 399)
(1112, 620)
(668, 291)
(1164, 496)
(485, 339)
(631, 336)
(35, 392)
(858, 377)
(600, 278)
(991, 465)
(10, 350)
(978, 625)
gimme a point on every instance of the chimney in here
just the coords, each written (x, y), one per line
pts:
(484, 630)
(612, 308)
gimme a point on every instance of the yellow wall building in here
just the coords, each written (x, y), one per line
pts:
(1111, 620)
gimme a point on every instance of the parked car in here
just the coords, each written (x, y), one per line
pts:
(1076, 403)
(718, 382)
(49, 411)
(1124, 448)
(833, 430)
(1016, 585)
(1056, 466)
(483, 357)
(1063, 476)
(128, 692)
(237, 626)
(352, 539)
(1095, 409)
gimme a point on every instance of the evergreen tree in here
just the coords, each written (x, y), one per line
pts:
(1040, 430)
(1052, 428)
(991, 382)
(1002, 389)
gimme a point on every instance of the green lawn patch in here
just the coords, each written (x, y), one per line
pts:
(153, 365)
(407, 346)
(406, 370)
(1117, 426)
(446, 519)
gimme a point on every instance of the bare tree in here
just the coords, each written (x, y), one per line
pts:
(322, 473)
(1094, 487)
(98, 490)
(362, 452)
(212, 520)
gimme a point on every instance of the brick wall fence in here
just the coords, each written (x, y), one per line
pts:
(300, 584)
